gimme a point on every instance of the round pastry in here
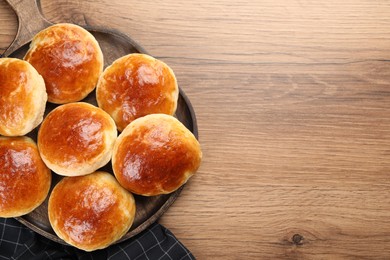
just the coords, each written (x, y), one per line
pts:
(76, 139)
(155, 154)
(90, 212)
(24, 178)
(22, 97)
(137, 85)
(69, 59)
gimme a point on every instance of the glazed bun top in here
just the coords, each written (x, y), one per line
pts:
(22, 97)
(91, 212)
(24, 178)
(69, 59)
(137, 85)
(76, 139)
(155, 154)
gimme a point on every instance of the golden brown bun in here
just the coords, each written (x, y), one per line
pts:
(24, 178)
(137, 85)
(69, 59)
(155, 154)
(91, 212)
(22, 97)
(76, 139)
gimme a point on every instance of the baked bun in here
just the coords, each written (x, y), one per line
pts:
(76, 139)
(24, 178)
(90, 212)
(69, 59)
(155, 154)
(137, 85)
(22, 97)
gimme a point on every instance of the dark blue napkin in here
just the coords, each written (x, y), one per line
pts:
(156, 242)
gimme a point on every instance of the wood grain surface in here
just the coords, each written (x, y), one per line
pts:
(293, 106)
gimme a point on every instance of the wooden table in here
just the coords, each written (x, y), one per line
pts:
(293, 106)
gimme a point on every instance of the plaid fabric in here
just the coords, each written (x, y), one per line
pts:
(156, 242)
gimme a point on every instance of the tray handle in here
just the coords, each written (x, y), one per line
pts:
(30, 22)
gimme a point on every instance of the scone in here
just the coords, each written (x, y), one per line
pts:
(22, 97)
(155, 154)
(24, 178)
(137, 85)
(70, 60)
(76, 139)
(90, 212)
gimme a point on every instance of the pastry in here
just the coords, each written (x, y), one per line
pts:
(24, 178)
(90, 212)
(22, 97)
(155, 154)
(69, 59)
(76, 139)
(137, 85)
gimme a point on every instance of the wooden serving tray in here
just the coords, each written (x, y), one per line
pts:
(114, 45)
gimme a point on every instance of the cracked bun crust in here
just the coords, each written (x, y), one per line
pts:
(69, 59)
(137, 85)
(91, 212)
(22, 97)
(155, 154)
(24, 178)
(76, 139)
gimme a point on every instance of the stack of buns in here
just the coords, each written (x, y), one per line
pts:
(137, 95)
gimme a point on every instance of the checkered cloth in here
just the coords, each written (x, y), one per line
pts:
(156, 242)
